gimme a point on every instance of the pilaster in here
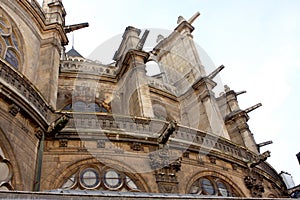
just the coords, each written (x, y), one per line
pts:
(203, 89)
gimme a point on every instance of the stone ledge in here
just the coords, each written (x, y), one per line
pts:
(90, 195)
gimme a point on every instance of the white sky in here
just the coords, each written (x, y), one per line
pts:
(257, 41)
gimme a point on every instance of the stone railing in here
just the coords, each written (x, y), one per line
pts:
(152, 128)
(267, 168)
(24, 88)
(155, 83)
(87, 68)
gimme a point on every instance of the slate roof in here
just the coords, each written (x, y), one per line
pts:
(74, 53)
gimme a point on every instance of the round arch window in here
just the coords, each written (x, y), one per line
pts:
(211, 185)
(112, 179)
(89, 178)
(98, 177)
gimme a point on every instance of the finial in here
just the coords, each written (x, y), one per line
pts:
(159, 38)
(180, 19)
(73, 40)
(226, 88)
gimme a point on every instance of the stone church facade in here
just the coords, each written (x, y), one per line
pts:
(69, 124)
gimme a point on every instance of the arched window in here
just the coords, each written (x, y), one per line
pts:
(10, 45)
(5, 173)
(210, 185)
(12, 58)
(97, 178)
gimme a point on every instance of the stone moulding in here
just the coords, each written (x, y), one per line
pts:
(105, 125)
(19, 89)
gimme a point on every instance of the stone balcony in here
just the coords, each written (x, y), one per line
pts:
(23, 93)
(87, 67)
(140, 128)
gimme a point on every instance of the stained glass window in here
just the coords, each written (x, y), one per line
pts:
(10, 48)
(210, 185)
(222, 189)
(11, 58)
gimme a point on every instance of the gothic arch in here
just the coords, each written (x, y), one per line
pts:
(222, 177)
(152, 68)
(9, 154)
(11, 41)
(61, 175)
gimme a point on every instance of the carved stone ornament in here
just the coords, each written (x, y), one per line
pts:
(261, 158)
(166, 177)
(165, 170)
(212, 159)
(14, 110)
(63, 143)
(58, 124)
(136, 146)
(39, 133)
(167, 187)
(100, 144)
(254, 185)
(159, 159)
(169, 130)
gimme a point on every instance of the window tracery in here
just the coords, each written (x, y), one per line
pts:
(96, 178)
(5, 173)
(10, 41)
(210, 185)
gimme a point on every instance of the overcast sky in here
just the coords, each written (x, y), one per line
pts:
(257, 41)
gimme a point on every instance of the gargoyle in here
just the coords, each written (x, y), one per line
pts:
(169, 130)
(58, 124)
(261, 158)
